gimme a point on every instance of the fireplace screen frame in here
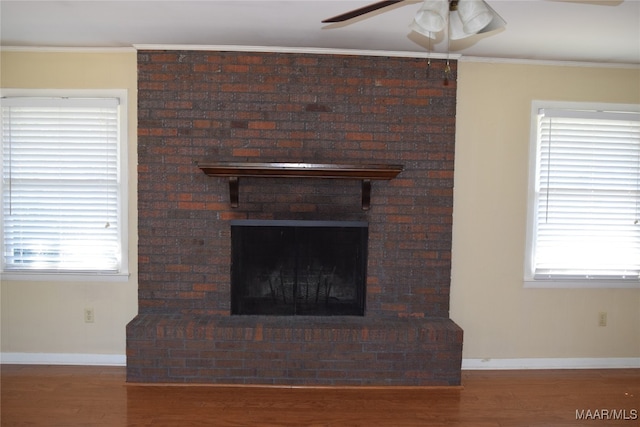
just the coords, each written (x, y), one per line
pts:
(290, 277)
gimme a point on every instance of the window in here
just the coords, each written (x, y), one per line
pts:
(584, 200)
(63, 185)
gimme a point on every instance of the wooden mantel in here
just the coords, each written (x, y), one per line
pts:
(366, 173)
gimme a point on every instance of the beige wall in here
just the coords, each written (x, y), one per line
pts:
(48, 317)
(500, 318)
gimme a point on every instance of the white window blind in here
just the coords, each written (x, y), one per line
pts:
(587, 215)
(60, 185)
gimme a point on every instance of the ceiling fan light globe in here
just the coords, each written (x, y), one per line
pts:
(418, 29)
(432, 16)
(456, 27)
(474, 14)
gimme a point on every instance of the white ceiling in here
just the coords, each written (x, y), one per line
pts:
(605, 31)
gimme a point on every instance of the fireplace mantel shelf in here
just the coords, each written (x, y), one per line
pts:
(366, 173)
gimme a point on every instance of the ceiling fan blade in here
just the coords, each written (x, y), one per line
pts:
(361, 11)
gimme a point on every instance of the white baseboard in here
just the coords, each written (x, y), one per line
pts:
(552, 363)
(467, 364)
(63, 359)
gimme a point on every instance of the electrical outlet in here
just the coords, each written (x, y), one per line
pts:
(602, 319)
(89, 316)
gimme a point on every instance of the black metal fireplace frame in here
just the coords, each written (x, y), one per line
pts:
(291, 295)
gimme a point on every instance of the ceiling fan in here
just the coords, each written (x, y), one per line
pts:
(453, 6)
(462, 17)
(362, 11)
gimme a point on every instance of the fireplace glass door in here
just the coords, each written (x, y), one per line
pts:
(305, 268)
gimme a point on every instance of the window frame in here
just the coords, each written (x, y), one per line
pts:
(529, 275)
(123, 273)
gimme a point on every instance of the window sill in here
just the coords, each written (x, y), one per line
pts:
(581, 284)
(32, 276)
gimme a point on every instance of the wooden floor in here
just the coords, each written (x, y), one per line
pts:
(99, 396)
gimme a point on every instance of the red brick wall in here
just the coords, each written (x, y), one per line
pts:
(272, 107)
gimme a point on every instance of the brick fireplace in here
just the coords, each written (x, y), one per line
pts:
(200, 106)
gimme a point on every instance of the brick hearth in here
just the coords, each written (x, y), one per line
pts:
(285, 107)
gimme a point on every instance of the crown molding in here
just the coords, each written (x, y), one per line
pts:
(309, 50)
(555, 63)
(321, 51)
(59, 49)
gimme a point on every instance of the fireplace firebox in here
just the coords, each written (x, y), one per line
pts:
(304, 268)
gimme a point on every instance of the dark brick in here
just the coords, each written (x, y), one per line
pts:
(272, 107)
